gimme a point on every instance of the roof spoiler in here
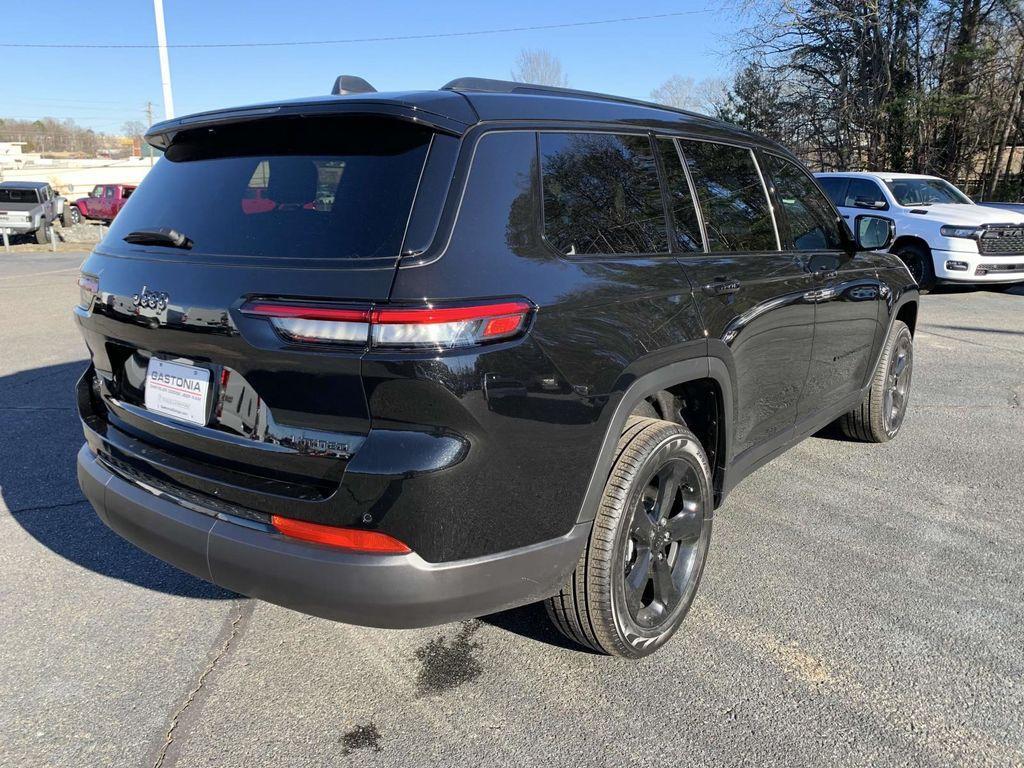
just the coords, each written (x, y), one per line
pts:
(346, 84)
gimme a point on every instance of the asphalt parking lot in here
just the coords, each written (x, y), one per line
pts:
(863, 605)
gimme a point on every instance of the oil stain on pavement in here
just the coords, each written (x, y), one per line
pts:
(448, 664)
(361, 737)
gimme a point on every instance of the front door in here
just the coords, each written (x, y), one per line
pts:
(846, 293)
(751, 293)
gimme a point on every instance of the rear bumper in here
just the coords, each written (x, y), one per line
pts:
(394, 591)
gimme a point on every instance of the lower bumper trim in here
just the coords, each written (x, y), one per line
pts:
(391, 591)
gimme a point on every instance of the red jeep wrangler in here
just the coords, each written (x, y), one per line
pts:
(103, 203)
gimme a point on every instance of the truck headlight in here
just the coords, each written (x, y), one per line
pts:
(967, 232)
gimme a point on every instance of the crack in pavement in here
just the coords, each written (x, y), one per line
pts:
(44, 507)
(969, 341)
(32, 408)
(243, 609)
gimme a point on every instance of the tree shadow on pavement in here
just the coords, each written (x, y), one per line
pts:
(38, 484)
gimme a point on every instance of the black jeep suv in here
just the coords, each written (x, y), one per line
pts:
(397, 359)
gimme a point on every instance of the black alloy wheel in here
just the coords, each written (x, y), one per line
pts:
(662, 544)
(639, 573)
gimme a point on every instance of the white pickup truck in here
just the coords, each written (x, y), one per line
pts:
(941, 234)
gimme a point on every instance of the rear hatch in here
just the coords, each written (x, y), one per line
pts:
(192, 395)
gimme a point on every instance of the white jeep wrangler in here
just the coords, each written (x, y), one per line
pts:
(941, 234)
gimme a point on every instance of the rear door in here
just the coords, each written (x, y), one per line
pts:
(846, 293)
(750, 291)
(279, 409)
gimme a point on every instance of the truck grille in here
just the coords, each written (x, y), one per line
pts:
(1002, 241)
(984, 269)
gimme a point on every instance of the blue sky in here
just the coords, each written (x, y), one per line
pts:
(102, 88)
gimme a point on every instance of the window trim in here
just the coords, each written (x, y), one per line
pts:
(839, 218)
(549, 246)
(666, 192)
(768, 197)
(772, 206)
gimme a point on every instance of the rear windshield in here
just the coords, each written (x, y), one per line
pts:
(336, 188)
(18, 196)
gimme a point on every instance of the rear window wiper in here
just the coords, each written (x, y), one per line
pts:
(165, 236)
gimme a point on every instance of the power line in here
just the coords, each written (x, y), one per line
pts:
(382, 39)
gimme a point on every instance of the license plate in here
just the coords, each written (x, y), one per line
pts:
(177, 390)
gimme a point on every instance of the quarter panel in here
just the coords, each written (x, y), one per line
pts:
(534, 413)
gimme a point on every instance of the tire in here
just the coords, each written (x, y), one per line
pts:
(42, 235)
(919, 261)
(880, 416)
(71, 216)
(635, 581)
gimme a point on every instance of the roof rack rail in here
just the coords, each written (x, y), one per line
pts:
(488, 85)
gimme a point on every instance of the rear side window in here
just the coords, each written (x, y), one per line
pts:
(811, 220)
(834, 188)
(601, 194)
(737, 216)
(684, 214)
(327, 188)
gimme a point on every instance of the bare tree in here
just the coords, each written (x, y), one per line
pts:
(133, 129)
(679, 92)
(927, 86)
(539, 67)
(708, 95)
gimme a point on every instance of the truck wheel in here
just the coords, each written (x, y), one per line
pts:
(42, 234)
(71, 216)
(879, 417)
(643, 561)
(919, 261)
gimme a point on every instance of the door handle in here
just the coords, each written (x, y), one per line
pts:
(721, 287)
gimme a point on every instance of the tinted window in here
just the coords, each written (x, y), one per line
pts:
(866, 191)
(111, 192)
(18, 196)
(332, 187)
(601, 194)
(737, 216)
(684, 214)
(811, 220)
(834, 188)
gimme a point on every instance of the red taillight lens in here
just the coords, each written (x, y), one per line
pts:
(393, 327)
(448, 327)
(345, 538)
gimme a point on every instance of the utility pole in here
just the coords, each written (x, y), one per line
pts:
(149, 124)
(165, 65)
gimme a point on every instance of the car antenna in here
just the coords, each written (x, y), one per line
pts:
(346, 84)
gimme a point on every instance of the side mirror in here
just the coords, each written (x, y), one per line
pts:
(868, 202)
(874, 233)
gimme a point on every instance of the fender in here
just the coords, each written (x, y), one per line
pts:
(642, 387)
(897, 299)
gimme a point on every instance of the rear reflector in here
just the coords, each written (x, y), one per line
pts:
(394, 327)
(352, 539)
